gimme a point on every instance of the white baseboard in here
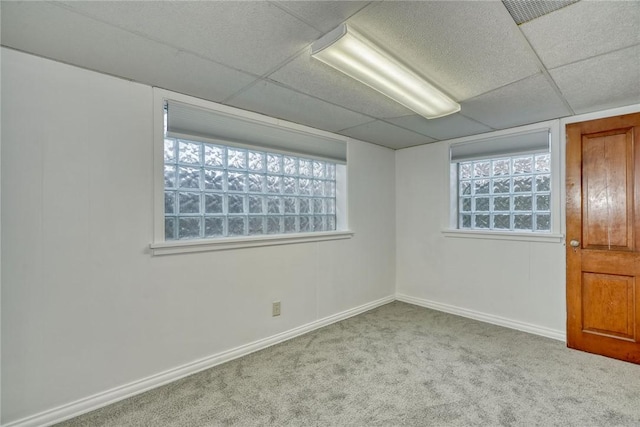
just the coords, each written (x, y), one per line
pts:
(485, 317)
(96, 401)
(108, 397)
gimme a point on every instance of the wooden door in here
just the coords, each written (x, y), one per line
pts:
(603, 237)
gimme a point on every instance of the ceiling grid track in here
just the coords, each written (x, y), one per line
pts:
(547, 75)
(563, 60)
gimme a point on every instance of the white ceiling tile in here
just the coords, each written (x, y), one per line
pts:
(528, 101)
(386, 134)
(323, 15)
(448, 127)
(472, 49)
(279, 102)
(50, 31)
(251, 36)
(583, 30)
(313, 77)
(465, 47)
(602, 82)
(189, 74)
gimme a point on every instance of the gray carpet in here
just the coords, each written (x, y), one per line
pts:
(396, 365)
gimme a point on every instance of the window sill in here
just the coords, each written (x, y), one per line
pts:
(505, 235)
(202, 245)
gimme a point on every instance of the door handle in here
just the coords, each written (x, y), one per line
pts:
(575, 244)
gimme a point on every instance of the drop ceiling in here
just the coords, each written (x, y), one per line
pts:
(580, 58)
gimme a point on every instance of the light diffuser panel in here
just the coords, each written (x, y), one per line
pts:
(349, 52)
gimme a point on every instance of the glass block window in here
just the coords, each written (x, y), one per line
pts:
(511, 193)
(215, 191)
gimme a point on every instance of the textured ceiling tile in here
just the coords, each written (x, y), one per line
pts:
(250, 36)
(386, 134)
(470, 48)
(602, 82)
(583, 30)
(466, 47)
(448, 127)
(185, 73)
(279, 102)
(323, 15)
(528, 101)
(313, 77)
(51, 32)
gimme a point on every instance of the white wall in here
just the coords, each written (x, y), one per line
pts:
(515, 283)
(84, 307)
(0, 241)
(519, 284)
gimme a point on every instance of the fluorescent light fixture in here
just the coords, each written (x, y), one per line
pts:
(349, 52)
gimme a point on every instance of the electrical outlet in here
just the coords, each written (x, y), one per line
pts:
(275, 308)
